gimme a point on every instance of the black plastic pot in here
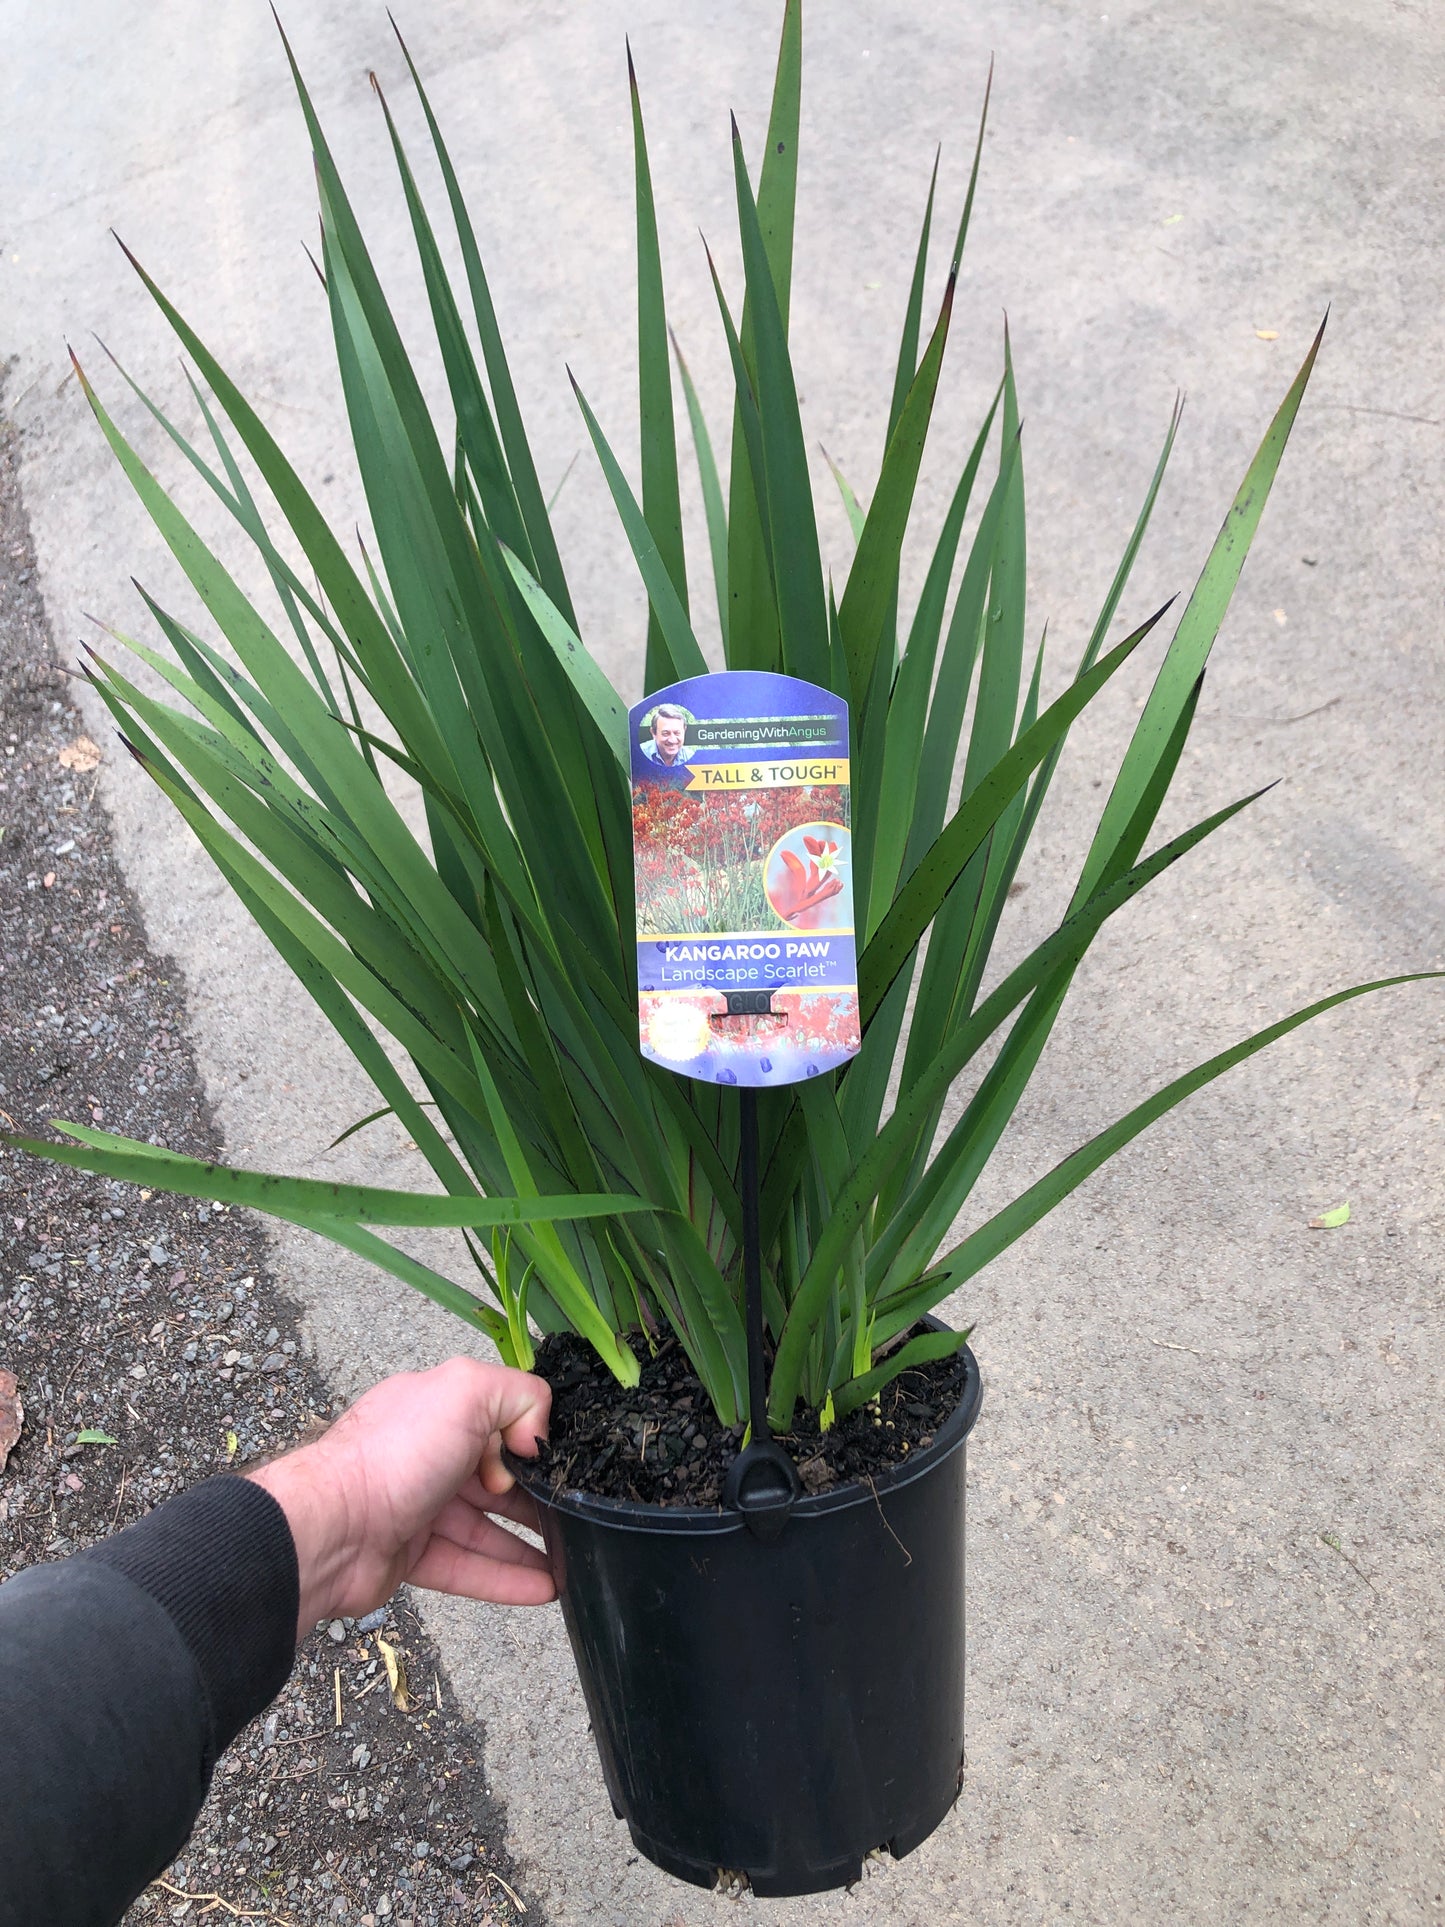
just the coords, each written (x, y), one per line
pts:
(775, 1710)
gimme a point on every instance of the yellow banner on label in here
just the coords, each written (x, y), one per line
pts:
(801, 773)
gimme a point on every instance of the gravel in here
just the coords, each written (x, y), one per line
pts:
(144, 1317)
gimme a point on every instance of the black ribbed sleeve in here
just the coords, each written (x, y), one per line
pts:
(124, 1672)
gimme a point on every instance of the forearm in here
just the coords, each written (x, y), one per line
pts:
(313, 1498)
(127, 1670)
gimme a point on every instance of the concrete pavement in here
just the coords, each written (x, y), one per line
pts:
(1204, 1583)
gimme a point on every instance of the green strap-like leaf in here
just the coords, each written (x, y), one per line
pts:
(674, 627)
(411, 1271)
(792, 522)
(239, 502)
(477, 437)
(854, 1395)
(355, 613)
(961, 648)
(752, 627)
(752, 644)
(930, 882)
(587, 677)
(962, 236)
(128, 1158)
(661, 504)
(1026, 1210)
(903, 752)
(912, 1230)
(857, 515)
(567, 1287)
(1039, 788)
(712, 495)
(508, 412)
(907, 363)
(314, 851)
(1056, 955)
(1198, 627)
(873, 579)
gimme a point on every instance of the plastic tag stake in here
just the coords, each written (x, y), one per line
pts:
(746, 959)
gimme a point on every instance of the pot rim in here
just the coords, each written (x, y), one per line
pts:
(636, 1515)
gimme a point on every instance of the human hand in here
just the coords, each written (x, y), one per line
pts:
(409, 1484)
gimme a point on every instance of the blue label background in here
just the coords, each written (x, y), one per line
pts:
(758, 1055)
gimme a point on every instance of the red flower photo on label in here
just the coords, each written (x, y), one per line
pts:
(805, 875)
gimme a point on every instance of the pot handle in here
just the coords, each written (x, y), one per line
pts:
(763, 1485)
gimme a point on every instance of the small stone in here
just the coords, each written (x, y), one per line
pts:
(373, 1622)
(420, 1849)
(232, 1358)
(268, 1731)
(336, 1632)
(225, 1310)
(460, 1862)
(361, 1757)
(191, 1352)
(158, 1255)
(273, 1362)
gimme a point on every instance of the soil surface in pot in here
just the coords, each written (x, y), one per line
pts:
(661, 1444)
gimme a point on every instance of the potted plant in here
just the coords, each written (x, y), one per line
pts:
(751, 1709)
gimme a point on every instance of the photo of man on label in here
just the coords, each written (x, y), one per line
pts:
(669, 736)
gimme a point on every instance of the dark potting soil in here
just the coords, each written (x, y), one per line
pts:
(661, 1443)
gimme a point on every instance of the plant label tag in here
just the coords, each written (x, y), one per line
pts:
(746, 967)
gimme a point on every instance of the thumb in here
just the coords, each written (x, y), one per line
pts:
(523, 1403)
